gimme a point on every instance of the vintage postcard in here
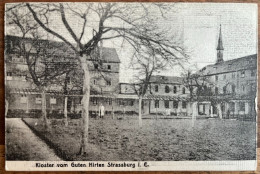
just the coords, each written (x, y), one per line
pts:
(130, 86)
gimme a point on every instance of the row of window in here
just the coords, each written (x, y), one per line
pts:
(230, 65)
(38, 99)
(10, 76)
(108, 67)
(108, 101)
(233, 75)
(167, 104)
(167, 89)
(108, 82)
(227, 90)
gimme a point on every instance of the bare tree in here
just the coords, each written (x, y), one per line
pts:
(201, 89)
(38, 54)
(95, 23)
(146, 63)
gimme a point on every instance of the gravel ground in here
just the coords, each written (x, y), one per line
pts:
(22, 144)
(158, 140)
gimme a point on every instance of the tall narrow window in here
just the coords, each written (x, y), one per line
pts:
(109, 67)
(184, 104)
(224, 90)
(167, 89)
(253, 73)
(241, 106)
(233, 88)
(175, 89)
(216, 78)
(166, 103)
(156, 88)
(216, 90)
(96, 66)
(156, 103)
(183, 90)
(175, 104)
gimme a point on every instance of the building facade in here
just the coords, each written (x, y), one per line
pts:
(233, 85)
(229, 91)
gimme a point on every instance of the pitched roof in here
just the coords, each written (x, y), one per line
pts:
(242, 63)
(166, 79)
(56, 48)
(109, 55)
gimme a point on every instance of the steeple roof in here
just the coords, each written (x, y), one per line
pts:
(220, 44)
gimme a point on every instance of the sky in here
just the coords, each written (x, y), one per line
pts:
(197, 26)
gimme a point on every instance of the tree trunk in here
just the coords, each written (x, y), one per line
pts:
(66, 111)
(44, 113)
(6, 107)
(113, 114)
(219, 111)
(85, 105)
(140, 111)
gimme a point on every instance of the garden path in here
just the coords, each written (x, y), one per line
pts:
(21, 138)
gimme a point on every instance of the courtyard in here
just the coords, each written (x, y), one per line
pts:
(158, 139)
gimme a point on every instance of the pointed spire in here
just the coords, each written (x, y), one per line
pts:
(220, 48)
(220, 44)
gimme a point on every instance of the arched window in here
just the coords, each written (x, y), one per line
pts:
(167, 89)
(175, 89)
(183, 90)
(156, 88)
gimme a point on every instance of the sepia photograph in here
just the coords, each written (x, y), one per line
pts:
(130, 86)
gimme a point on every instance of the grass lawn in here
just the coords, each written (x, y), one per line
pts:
(158, 140)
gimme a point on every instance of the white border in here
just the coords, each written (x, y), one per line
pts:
(248, 165)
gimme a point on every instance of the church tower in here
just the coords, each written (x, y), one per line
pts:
(220, 48)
